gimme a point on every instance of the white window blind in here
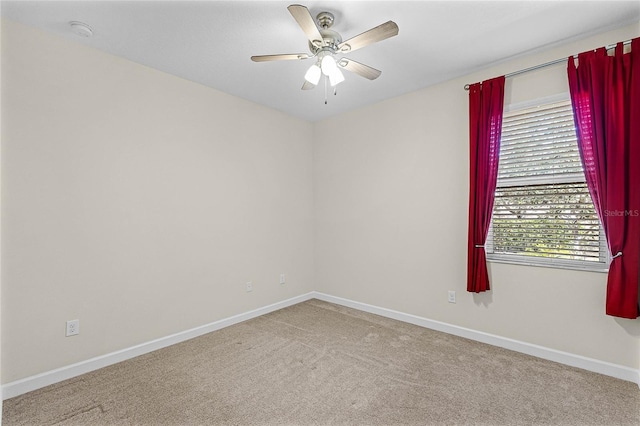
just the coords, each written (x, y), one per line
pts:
(540, 142)
(543, 213)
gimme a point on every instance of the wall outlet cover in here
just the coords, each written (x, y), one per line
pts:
(73, 327)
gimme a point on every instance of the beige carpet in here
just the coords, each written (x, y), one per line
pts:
(320, 364)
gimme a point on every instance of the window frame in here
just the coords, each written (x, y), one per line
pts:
(539, 261)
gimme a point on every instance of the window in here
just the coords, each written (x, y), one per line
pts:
(543, 214)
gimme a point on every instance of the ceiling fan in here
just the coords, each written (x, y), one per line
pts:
(325, 44)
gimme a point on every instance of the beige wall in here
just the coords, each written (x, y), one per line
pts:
(1, 396)
(391, 193)
(141, 203)
(138, 202)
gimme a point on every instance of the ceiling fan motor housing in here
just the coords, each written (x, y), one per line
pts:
(330, 39)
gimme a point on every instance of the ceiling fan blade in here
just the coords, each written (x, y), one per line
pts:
(361, 69)
(287, 57)
(307, 23)
(379, 33)
(307, 85)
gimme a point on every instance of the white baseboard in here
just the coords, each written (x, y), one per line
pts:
(573, 360)
(38, 381)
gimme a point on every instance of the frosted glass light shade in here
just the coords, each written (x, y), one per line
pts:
(328, 65)
(336, 77)
(313, 74)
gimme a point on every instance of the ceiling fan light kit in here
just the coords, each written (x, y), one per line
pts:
(325, 44)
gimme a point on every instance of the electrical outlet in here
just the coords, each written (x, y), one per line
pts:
(452, 296)
(249, 287)
(73, 327)
(282, 279)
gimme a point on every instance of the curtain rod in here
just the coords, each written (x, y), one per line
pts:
(548, 64)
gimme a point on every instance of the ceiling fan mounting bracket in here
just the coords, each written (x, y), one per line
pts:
(325, 20)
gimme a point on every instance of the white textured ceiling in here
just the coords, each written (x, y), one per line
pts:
(210, 42)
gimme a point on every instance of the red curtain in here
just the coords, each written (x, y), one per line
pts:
(605, 93)
(486, 102)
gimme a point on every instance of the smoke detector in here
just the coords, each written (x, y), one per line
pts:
(81, 29)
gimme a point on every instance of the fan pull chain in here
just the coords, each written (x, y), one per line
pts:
(325, 89)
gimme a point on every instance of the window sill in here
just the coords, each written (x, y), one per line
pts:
(556, 264)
